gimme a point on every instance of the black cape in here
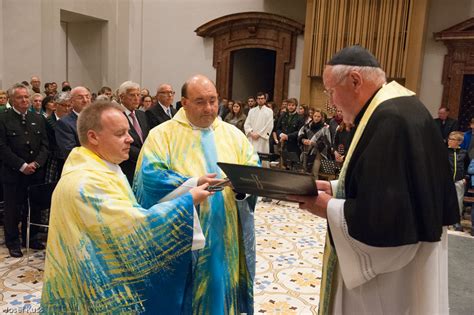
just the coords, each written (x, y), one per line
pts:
(398, 185)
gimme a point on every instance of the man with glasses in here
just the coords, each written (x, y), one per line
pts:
(66, 129)
(129, 94)
(180, 154)
(162, 110)
(55, 162)
(386, 251)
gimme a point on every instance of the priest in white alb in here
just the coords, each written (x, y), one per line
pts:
(259, 125)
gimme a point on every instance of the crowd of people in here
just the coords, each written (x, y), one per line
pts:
(133, 227)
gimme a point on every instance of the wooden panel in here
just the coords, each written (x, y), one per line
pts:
(381, 26)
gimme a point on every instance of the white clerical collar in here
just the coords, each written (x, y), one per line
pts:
(57, 117)
(77, 114)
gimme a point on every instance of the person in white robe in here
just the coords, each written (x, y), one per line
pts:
(259, 125)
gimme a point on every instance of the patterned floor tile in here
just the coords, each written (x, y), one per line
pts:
(289, 252)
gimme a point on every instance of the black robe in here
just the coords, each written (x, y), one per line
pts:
(398, 186)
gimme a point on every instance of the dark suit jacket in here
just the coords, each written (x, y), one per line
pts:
(66, 135)
(51, 123)
(290, 125)
(446, 128)
(22, 143)
(156, 115)
(128, 166)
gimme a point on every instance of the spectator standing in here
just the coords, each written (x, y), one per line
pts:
(237, 116)
(66, 128)
(468, 141)
(445, 123)
(459, 162)
(24, 151)
(259, 125)
(162, 111)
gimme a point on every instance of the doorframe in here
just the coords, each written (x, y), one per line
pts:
(459, 39)
(253, 30)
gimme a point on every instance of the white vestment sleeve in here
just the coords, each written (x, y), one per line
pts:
(199, 240)
(266, 130)
(359, 262)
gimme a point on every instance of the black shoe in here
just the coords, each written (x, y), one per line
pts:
(15, 252)
(35, 245)
(458, 227)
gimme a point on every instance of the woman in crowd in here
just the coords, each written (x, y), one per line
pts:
(302, 110)
(3, 100)
(146, 102)
(315, 141)
(236, 117)
(342, 139)
(310, 115)
(48, 106)
(36, 101)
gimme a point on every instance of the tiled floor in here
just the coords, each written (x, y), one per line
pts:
(289, 256)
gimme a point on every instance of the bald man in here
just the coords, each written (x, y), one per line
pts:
(66, 130)
(183, 151)
(162, 110)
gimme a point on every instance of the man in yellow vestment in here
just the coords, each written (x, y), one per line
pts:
(106, 254)
(180, 152)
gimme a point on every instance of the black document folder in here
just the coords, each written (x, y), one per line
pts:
(268, 182)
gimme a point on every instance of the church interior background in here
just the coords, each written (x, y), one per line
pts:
(426, 45)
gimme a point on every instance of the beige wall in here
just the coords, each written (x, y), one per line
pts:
(147, 41)
(38, 41)
(172, 52)
(442, 15)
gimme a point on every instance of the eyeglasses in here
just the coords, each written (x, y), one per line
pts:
(330, 91)
(452, 139)
(169, 93)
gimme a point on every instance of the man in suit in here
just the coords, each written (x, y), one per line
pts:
(445, 123)
(162, 110)
(55, 162)
(66, 129)
(129, 93)
(24, 151)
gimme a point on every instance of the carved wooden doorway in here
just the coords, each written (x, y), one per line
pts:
(249, 30)
(458, 70)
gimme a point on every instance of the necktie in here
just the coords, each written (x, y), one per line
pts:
(136, 126)
(168, 111)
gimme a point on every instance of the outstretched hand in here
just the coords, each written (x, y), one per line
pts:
(209, 179)
(316, 204)
(199, 193)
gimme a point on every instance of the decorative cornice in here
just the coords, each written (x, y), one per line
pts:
(250, 21)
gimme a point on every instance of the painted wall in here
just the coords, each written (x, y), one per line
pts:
(443, 14)
(172, 52)
(147, 41)
(38, 48)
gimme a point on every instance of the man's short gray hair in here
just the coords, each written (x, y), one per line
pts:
(16, 86)
(127, 85)
(62, 97)
(90, 118)
(32, 97)
(373, 74)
